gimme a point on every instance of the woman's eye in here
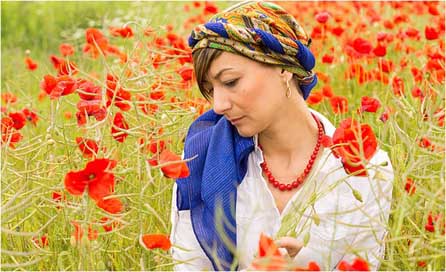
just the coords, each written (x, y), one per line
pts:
(231, 83)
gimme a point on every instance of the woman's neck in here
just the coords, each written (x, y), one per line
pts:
(291, 136)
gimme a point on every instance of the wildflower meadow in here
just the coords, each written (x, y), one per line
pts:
(97, 98)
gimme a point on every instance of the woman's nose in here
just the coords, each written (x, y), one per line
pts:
(221, 102)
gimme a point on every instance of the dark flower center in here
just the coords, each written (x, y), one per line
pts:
(91, 176)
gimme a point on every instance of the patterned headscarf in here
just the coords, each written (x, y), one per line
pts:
(264, 32)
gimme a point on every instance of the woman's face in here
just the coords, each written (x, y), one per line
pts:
(248, 93)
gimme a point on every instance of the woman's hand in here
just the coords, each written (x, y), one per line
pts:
(287, 246)
(292, 245)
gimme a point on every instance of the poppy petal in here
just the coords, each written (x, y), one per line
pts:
(152, 241)
(112, 205)
(75, 182)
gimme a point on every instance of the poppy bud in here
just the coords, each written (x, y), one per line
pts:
(357, 195)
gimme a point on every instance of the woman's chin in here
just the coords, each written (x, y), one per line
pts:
(245, 132)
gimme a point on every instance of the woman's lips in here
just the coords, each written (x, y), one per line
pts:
(235, 121)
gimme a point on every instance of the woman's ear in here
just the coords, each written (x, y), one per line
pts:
(286, 75)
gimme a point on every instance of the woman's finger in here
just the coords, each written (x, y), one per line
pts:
(291, 244)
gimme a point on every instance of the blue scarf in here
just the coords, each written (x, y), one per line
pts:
(210, 191)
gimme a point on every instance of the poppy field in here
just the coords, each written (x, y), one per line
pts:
(96, 101)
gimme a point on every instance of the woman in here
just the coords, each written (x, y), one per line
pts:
(258, 163)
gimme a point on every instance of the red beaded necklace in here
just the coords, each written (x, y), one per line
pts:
(301, 178)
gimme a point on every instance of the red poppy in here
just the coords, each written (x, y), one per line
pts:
(388, 24)
(119, 124)
(439, 115)
(42, 241)
(9, 133)
(381, 36)
(315, 98)
(271, 263)
(94, 35)
(312, 266)
(152, 241)
(157, 146)
(154, 146)
(421, 263)
(9, 98)
(95, 177)
(111, 205)
(147, 107)
(209, 8)
(417, 92)
(356, 70)
(88, 91)
(66, 49)
(424, 142)
(90, 108)
(327, 59)
(114, 50)
(433, 221)
(18, 118)
(412, 33)
(337, 31)
(270, 258)
(348, 139)
(267, 247)
(322, 17)
(30, 64)
(97, 43)
(362, 46)
(431, 33)
(326, 141)
(410, 186)
(63, 66)
(88, 147)
(48, 83)
(357, 265)
(57, 87)
(385, 66)
(121, 99)
(172, 170)
(125, 32)
(58, 196)
(108, 224)
(78, 232)
(369, 104)
(120, 96)
(339, 104)
(385, 115)
(157, 95)
(380, 51)
(398, 86)
(327, 91)
(30, 115)
(186, 73)
(358, 48)
(417, 74)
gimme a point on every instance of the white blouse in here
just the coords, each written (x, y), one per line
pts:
(324, 214)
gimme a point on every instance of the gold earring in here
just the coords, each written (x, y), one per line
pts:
(288, 89)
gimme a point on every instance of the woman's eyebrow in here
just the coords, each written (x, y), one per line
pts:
(221, 72)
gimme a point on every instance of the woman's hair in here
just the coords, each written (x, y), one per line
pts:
(202, 60)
